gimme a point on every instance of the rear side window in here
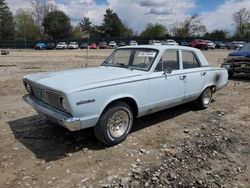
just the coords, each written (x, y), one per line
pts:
(189, 60)
(169, 59)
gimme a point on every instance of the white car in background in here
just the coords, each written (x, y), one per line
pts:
(73, 45)
(112, 44)
(133, 43)
(211, 45)
(170, 42)
(61, 45)
(155, 42)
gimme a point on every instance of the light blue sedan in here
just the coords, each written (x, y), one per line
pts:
(133, 81)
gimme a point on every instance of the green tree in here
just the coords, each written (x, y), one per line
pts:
(25, 26)
(113, 26)
(192, 26)
(217, 34)
(154, 30)
(6, 21)
(77, 32)
(57, 25)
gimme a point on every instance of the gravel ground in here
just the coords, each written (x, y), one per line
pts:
(178, 147)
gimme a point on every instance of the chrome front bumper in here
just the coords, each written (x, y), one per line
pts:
(67, 121)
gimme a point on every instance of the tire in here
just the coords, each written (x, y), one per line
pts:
(115, 124)
(204, 100)
(230, 74)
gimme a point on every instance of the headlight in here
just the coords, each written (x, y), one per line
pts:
(64, 104)
(28, 87)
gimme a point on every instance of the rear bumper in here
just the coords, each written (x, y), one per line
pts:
(71, 123)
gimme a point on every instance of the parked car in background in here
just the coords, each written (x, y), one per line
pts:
(51, 46)
(238, 61)
(185, 43)
(122, 44)
(210, 45)
(133, 43)
(84, 46)
(220, 44)
(235, 45)
(199, 43)
(171, 42)
(61, 45)
(102, 45)
(41, 46)
(154, 42)
(239, 44)
(231, 46)
(93, 46)
(132, 82)
(112, 44)
(73, 45)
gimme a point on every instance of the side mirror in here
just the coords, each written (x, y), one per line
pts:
(167, 71)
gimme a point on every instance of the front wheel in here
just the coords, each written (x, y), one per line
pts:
(114, 124)
(205, 99)
(230, 74)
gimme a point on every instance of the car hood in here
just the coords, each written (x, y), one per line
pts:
(240, 53)
(80, 79)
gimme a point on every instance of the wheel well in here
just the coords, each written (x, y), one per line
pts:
(213, 87)
(131, 102)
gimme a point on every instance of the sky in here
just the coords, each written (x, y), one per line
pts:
(214, 14)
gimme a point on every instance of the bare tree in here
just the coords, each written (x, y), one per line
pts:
(241, 19)
(192, 26)
(39, 10)
(86, 25)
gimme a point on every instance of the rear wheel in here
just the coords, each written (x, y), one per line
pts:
(114, 124)
(205, 99)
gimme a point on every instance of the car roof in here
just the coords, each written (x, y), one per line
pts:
(161, 47)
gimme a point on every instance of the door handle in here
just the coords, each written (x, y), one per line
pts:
(182, 77)
(203, 73)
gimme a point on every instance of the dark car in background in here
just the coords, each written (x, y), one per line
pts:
(122, 44)
(84, 45)
(51, 46)
(41, 46)
(199, 43)
(102, 45)
(238, 61)
(219, 45)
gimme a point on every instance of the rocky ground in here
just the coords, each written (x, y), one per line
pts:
(179, 147)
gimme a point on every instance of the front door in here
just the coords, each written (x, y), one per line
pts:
(166, 89)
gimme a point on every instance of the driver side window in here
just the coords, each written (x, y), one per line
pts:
(169, 59)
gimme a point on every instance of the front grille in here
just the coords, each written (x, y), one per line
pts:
(54, 100)
(48, 97)
(39, 94)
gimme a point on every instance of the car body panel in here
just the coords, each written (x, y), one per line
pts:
(89, 91)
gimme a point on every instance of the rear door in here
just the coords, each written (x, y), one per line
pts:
(195, 75)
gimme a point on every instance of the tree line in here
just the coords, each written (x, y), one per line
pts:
(44, 20)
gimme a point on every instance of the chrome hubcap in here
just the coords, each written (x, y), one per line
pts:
(207, 96)
(118, 123)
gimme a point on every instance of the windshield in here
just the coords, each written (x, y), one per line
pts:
(246, 47)
(133, 58)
